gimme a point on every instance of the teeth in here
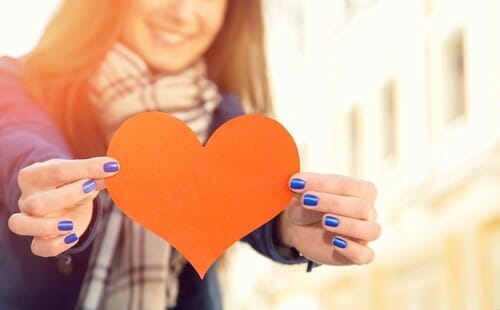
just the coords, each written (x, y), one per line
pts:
(171, 38)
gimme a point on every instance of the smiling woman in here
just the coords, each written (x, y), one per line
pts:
(97, 64)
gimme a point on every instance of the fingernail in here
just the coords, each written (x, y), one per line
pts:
(310, 200)
(65, 225)
(70, 239)
(111, 166)
(89, 186)
(331, 221)
(297, 184)
(339, 243)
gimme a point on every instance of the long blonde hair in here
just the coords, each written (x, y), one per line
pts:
(58, 69)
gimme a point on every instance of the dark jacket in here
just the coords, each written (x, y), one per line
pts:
(28, 135)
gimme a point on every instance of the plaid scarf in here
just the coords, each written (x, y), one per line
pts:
(130, 267)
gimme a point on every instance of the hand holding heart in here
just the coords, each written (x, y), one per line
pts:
(56, 201)
(330, 210)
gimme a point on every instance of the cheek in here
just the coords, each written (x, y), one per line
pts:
(132, 33)
(212, 22)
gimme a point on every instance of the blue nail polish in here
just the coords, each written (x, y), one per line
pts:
(311, 200)
(331, 221)
(297, 184)
(70, 239)
(65, 225)
(111, 166)
(339, 243)
(89, 186)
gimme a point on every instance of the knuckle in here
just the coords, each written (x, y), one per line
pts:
(372, 190)
(345, 185)
(32, 206)
(69, 197)
(26, 174)
(378, 231)
(314, 180)
(352, 229)
(92, 167)
(89, 167)
(333, 202)
(23, 175)
(365, 210)
(95, 166)
(12, 223)
(369, 214)
(58, 171)
(41, 229)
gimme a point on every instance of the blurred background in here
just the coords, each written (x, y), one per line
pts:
(405, 93)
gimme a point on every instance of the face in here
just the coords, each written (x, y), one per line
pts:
(172, 34)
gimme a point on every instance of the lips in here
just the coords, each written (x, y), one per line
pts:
(167, 37)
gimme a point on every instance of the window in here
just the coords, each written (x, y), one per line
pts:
(429, 81)
(388, 121)
(489, 263)
(355, 139)
(495, 262)
(453, 76)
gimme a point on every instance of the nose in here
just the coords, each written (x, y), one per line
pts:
(181, 10)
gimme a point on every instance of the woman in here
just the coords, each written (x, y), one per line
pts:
(98, 63)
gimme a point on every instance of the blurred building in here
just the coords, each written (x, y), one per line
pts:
(405, 93)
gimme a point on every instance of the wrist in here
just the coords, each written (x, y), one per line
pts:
(280, 232)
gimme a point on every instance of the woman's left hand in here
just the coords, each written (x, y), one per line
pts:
(331, 219)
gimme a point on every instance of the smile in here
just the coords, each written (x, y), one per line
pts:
(166, 37)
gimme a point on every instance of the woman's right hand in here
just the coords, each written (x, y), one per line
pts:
(56, 201)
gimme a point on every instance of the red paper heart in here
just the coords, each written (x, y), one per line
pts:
(202, 199)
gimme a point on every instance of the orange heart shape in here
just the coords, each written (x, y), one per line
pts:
(202, 199)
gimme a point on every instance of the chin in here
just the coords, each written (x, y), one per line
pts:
(167, 67)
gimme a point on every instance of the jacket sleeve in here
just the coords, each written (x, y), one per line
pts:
(27, 135)
(262, 239)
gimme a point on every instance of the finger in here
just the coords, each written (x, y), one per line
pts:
(88, 199)
(342, 205)
(48, 247)
(57, 172)
(46, 202)
(300, 215)
(333, 183)
(352, 228)
(353, 251)
(25, 225)
(101, 184)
